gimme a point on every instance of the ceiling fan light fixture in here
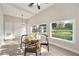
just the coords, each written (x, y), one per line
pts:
(32, 4)
(38, 6)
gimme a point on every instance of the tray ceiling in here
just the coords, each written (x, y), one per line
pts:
(17, 9)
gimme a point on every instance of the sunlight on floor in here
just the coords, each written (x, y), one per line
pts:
(43, 50)
(2, 49)
(4, 55)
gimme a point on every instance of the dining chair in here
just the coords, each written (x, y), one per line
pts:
(23, 37)
(46, 42)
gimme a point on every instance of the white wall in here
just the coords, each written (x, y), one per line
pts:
(14, 26)
(11, 10)
(59, 12)
(1, 25)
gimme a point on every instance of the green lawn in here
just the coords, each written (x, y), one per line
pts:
(63, 34)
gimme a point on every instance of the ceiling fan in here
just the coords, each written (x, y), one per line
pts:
(32, 4)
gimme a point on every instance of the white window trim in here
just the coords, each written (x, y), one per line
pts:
(73, 35)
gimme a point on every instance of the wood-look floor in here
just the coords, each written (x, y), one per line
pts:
(12, 48)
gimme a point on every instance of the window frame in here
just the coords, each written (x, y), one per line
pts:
(45, 30)
(73, 30)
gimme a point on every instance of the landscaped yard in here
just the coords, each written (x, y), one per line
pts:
(63, 30)
(62, 34)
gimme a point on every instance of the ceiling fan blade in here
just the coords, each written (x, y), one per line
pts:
(31, 4)
(38, 6)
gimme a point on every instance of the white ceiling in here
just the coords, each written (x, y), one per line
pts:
(17, 9)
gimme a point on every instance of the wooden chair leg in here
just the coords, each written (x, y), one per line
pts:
(36, 53)
(25, 53)
(48, 48)
(40, 51)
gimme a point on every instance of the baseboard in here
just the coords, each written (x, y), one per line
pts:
(75, 51)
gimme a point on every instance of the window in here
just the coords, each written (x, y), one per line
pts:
(42, 28)
(34, 28)
(42, 31)
(62, 30)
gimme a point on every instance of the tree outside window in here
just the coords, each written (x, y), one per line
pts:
(63, 30)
